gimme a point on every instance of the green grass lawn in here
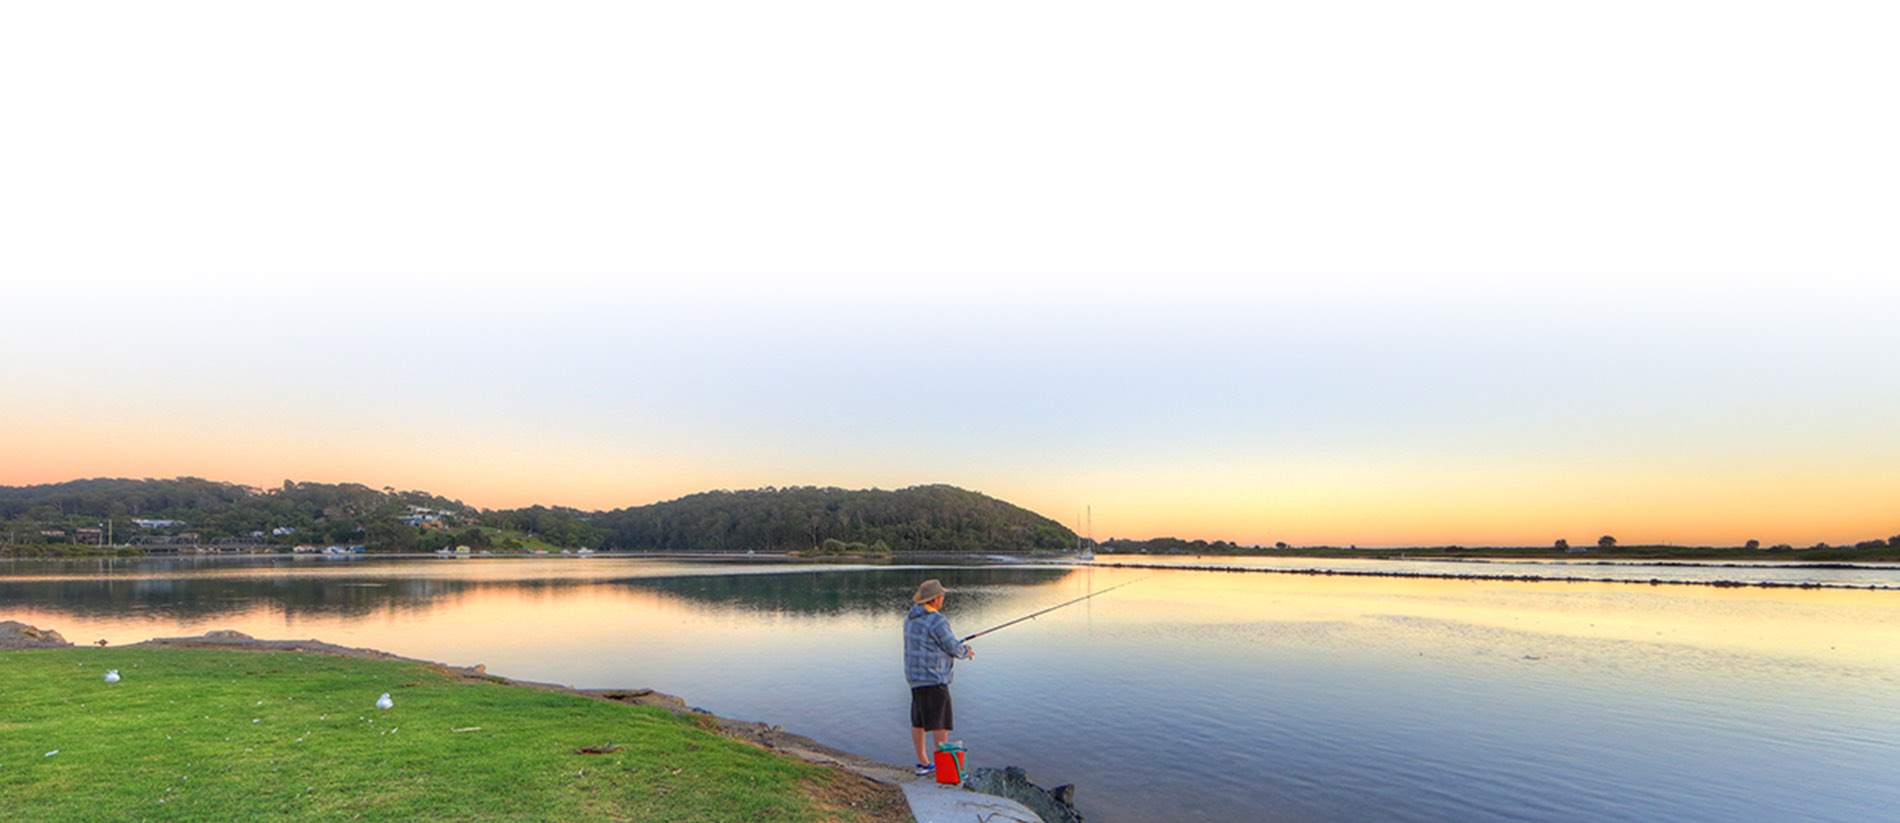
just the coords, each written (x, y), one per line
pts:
(193, 734)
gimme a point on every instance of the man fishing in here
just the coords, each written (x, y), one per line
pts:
(930, 653)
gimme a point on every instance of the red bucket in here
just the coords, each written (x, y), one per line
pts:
(950, 763)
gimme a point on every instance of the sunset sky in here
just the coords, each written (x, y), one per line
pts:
(1366, 273)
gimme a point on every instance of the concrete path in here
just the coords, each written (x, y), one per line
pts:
(931, 802)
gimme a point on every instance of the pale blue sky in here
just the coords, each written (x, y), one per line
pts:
(1357, 272)
(605, 392)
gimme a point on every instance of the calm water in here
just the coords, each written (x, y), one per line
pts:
(1192, 695)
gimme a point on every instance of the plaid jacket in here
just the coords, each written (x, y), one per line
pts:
(930, 648)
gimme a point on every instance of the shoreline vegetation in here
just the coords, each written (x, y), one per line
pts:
(1605, 548)
(835, 548)
(196, 515)
(1525, 578)
(229, 727)
(1152, 562)
(1841, 557)
(117, 517)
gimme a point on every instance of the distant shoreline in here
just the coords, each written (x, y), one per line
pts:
(1635, 556)
(1525, 578)
(1882, 554)
(1159, 563)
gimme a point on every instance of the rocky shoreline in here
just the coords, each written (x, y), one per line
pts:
(17, 635)
(1055, 805)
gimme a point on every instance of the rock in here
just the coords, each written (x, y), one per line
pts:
(227, 634)
(17, 635)
(1013, 782)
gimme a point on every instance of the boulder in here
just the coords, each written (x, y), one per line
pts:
(1064, 794)
(1013, 782)
(17, 635)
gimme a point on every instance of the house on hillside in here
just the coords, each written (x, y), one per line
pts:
(424, 516)
(424, 521)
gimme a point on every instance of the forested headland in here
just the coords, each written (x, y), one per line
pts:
(919, 518)
(127, 516)
(105, 515)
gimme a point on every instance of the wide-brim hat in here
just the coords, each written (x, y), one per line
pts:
(930, 590)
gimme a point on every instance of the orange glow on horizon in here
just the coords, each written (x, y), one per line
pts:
(1337, 505)
(1778, 623)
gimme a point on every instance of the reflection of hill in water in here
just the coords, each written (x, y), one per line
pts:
(838, 592)
(199, 598)
(191, 598)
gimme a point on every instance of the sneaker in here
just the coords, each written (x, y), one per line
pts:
(924, 769)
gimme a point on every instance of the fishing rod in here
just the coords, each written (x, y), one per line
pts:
(1051, 608)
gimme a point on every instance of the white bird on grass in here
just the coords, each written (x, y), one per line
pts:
(112, 675)
(384, 702)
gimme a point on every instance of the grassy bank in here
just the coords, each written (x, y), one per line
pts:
(193, 734)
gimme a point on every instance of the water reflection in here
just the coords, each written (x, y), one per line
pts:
(197, 594)
(835, 592)
(191, 599)
(1832, 625)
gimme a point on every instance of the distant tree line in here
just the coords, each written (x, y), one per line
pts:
(802, 518)
(47, 518)
(1175, 545)
(556, 525)
(1170, 545)
(325, 513)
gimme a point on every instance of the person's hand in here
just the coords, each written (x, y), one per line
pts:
(969, 653)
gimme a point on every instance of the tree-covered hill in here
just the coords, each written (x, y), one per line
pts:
(919, 518)
(291, 513)
(79, 513)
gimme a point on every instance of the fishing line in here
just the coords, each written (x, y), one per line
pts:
(1034, 615)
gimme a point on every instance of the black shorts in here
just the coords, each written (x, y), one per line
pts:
(930, 708)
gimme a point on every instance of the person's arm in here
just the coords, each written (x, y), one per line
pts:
(947, 640)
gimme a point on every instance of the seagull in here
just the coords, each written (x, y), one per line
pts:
(112, 675)
(384, 702)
